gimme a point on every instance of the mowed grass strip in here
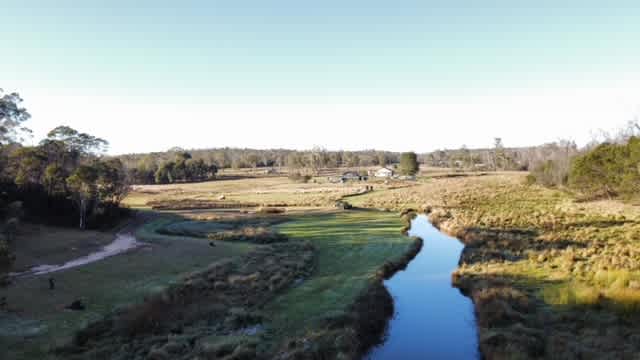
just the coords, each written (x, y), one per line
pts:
(351, 246)
(102, 286)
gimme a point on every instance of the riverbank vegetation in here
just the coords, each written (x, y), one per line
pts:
(548, 272)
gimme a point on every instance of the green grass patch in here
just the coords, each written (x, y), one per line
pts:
(351, 247)
(103, 286)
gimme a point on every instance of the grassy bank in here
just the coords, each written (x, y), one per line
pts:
(35, 319)
(341, 298)
(239, 285)
(550, 276)
(353, 249)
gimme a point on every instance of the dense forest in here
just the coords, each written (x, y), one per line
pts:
(64, 180)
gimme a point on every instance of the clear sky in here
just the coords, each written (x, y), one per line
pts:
(396, 75)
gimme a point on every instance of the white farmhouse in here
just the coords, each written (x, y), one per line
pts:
(384, 173)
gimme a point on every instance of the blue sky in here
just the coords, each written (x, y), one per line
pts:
(264, 73)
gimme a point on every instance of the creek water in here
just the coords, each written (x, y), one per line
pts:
(433, 319)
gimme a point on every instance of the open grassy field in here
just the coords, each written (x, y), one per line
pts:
(548, 274)
(36, 319)
(40, 244)
(268, 191)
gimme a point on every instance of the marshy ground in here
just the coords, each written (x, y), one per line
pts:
(265, 267)
(551, 276)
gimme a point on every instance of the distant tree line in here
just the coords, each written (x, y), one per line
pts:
(63, 180)
(179, 165)
(182, 168)
(498, 157)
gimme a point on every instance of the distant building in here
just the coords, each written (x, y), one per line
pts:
(384, 173)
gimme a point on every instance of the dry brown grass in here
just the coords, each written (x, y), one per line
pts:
(266, 192)
(578, 263)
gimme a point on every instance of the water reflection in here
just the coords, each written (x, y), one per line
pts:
(433, 319)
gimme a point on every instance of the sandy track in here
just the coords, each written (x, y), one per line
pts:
(122, 243)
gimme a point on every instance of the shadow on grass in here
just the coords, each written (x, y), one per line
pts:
(494, 244)
(600, 224)
(528, 317)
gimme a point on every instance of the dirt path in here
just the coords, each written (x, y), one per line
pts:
(123, 242)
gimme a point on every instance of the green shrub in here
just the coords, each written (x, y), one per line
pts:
(609, 170)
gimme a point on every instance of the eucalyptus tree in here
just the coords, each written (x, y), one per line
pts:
(12, 118)
(74, 140)
(82, 184)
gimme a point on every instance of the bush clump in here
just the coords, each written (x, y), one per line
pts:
(609, 170)
(344, 205)
(271, 210)
(299, 178)
(257, 234)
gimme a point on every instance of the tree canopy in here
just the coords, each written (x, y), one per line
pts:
(12, 117)
(409, 164)
(76, 141)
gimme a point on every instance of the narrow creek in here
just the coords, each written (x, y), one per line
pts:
(433, 320)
